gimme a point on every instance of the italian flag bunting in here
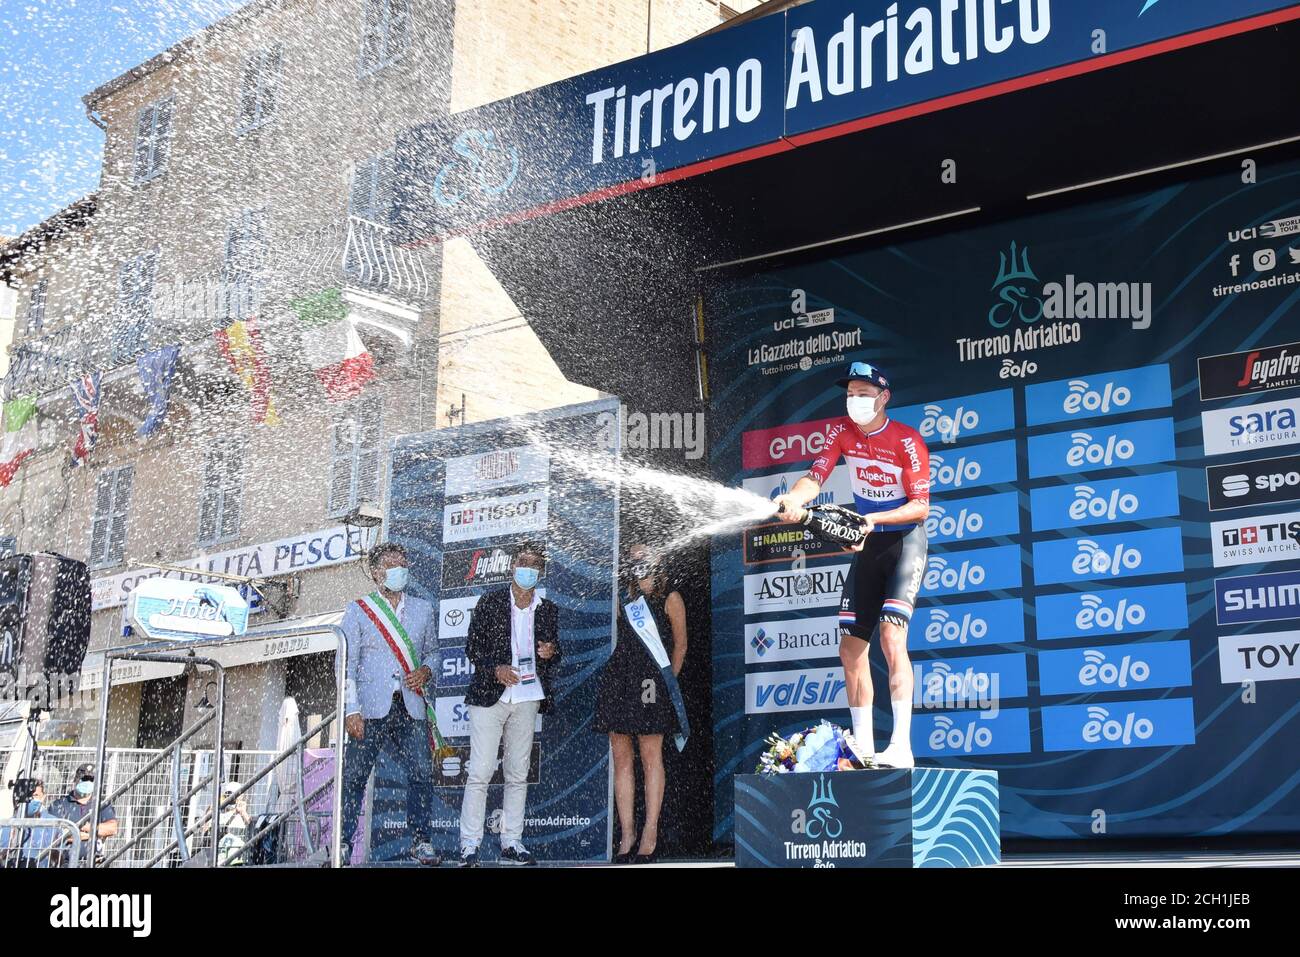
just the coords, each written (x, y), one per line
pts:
(19, 440)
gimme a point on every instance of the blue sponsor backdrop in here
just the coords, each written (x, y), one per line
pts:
(954, 320)
(567, 816)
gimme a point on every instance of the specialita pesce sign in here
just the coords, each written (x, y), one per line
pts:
(813, 71)
(332, 546)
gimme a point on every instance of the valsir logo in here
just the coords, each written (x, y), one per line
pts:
(802, 690)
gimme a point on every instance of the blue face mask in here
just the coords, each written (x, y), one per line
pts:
(84, 788)
(526, 577)
(395, 578)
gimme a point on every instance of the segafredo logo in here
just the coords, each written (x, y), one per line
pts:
(1020, 299)
(1096, 614)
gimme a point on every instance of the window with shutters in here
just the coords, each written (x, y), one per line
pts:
(135, 284)
(371, 197)
(153, 139)
(221, 500)
(355, 456)
(385, 33)
(36, 308)
(109, 526)
(260, 90)
(246, 249)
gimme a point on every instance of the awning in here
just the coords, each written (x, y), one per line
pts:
(307, 635)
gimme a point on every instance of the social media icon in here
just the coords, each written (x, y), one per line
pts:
(1265, 259)
(1295, 256)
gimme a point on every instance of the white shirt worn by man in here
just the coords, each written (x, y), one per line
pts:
(523, 653)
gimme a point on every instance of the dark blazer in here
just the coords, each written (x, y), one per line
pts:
(488, 645)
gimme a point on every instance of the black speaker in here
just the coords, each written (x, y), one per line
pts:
(44, 614)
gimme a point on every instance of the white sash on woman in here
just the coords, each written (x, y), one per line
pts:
(643, 623)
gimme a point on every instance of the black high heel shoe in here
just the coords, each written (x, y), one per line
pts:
(647, 858)
(628, 857)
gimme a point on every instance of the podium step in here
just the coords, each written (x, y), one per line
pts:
(919, 817)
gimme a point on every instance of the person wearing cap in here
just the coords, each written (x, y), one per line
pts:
(75, 806)
(235, 822)
(889, 472)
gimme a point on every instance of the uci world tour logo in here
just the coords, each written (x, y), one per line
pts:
(483, 164)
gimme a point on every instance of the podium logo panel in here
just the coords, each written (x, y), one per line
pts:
(1260, 657)
(1102, 394)
(1159, 723)
(1112, 612)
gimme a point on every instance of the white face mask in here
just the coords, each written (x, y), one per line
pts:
(862, 408)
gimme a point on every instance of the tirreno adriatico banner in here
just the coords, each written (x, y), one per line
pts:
(1110, 612)
(815, 70)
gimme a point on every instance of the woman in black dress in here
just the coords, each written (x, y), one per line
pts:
(632, 702)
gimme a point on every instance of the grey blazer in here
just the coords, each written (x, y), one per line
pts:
(371, 663)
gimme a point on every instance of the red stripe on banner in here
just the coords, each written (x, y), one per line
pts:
(383, 633)
(788, 143)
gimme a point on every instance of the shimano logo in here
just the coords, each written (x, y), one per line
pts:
(1262, 597)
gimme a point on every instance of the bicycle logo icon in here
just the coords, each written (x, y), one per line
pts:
(483, 165)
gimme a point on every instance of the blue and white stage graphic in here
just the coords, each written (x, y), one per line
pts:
(1086, 626)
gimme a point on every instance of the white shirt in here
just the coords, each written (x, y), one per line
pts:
(522, 645)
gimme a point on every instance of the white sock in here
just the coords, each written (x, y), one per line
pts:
(902, 734)
(862, 729)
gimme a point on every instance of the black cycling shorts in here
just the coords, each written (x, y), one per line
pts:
(883, 581)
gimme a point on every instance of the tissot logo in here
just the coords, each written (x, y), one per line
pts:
(1241, 373)
(1264, 538)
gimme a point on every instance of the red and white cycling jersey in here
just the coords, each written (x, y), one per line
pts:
(887, 467)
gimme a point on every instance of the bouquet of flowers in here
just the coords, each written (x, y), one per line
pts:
(819, 748)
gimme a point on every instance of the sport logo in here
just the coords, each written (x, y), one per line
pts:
(950, 736)
(1093, 559)
(1101, 726)
(942, 574)
(955, 526)
(1096, 614)
(1083, 399)
(1260, 482)
(943, 627)
(1088, 504)
(1098, 671)
(954, 475)
(1084, 451)
(947, 426)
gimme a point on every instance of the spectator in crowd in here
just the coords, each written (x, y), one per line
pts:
(22, 846)
(75, 806)
(390, 637)
(514, 645)
(633, 697)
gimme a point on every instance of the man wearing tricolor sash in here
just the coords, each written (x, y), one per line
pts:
(391, 646)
